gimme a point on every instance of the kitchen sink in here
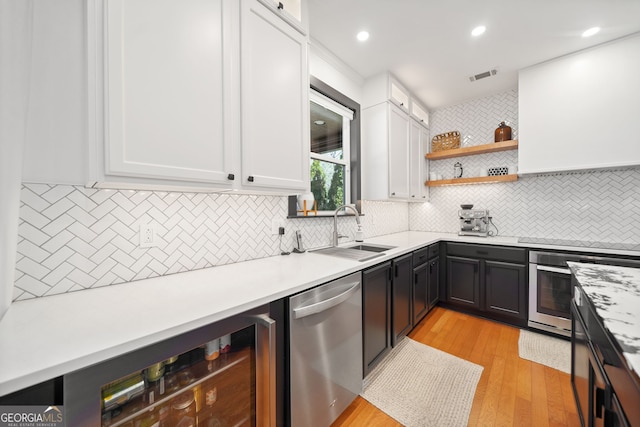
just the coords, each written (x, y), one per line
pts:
(370, 248)
(355, 252)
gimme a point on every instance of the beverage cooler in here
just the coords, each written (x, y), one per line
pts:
(222, 374)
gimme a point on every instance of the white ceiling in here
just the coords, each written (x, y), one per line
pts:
(427, 44)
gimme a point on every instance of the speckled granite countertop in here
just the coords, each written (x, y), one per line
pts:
(615, 293)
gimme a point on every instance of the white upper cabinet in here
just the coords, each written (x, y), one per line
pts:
(203, 94)
(418, 164)
(393, 162)
(166, 67)
(581, 111)
(419, 113)
(275, 101)
(292, 11)
(384, 87)
(398, 95)
(398, 153)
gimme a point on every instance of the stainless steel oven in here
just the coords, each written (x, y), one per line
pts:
(550, 289)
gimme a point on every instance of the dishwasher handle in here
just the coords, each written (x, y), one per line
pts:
(318, 307)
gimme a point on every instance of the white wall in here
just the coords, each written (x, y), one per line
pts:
(332, 71)
(582, 111)
(15, 51)
(56, 122)
(590, 206)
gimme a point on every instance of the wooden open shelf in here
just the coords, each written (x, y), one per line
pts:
(476, 149)
(474, 180)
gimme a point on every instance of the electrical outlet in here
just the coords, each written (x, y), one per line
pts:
(147, 236)
(276, 223)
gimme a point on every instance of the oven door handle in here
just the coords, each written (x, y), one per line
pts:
(554, 269)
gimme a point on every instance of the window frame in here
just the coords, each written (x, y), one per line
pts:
(355, 149)
(347, 119)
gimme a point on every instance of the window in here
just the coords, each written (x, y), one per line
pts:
(330, 155)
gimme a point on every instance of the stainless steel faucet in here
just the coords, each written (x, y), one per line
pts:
(336, 236)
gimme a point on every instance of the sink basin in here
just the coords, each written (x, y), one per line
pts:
(371, 248)
(356, 252)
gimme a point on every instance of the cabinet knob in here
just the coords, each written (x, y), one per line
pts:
(393, 194)
(413, 195)
(250, 178)
(231, 177)
(280, 5)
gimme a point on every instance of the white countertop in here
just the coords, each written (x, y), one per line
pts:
(47, 337)
(615, 294)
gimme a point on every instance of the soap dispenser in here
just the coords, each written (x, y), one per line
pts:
(359, 234)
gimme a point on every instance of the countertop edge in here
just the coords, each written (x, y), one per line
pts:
(51, 323)
(578, 270)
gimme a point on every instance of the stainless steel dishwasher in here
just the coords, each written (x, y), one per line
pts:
(325, 351)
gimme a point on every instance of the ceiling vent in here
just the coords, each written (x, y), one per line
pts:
(483, 75)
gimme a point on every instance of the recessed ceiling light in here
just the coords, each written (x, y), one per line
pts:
(591, 31)
(478, 30)
(319, 122)
(363, 36)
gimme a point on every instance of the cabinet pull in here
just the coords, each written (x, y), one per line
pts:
(482, 252)
(280, 5)
(393, 194)
(390, 274)
(413, 195)
(395, 270)
(250, 178)
(231, 177)
(415, 279)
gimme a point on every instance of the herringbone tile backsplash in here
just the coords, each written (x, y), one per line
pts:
(595, 206)
(600, 206)
(73, 238)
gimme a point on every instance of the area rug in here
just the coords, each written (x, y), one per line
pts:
(418, 385)
(546, 350)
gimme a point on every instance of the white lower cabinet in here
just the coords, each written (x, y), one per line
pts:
(205, 93)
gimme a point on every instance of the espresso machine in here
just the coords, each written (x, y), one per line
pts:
(473, 222)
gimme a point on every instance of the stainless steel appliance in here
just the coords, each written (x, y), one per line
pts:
(179, 382)
(325, 351)
(550, 288)
(474, 222)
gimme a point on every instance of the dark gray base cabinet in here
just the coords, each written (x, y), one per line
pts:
(426, 281)
(463, 281)
(488, 280)
(402, 290)
(434, 282)
(505, 290)
(376, 315)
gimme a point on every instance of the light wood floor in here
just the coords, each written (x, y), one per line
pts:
(511, 391)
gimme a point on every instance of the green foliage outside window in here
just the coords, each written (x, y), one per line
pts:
(327, 184)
